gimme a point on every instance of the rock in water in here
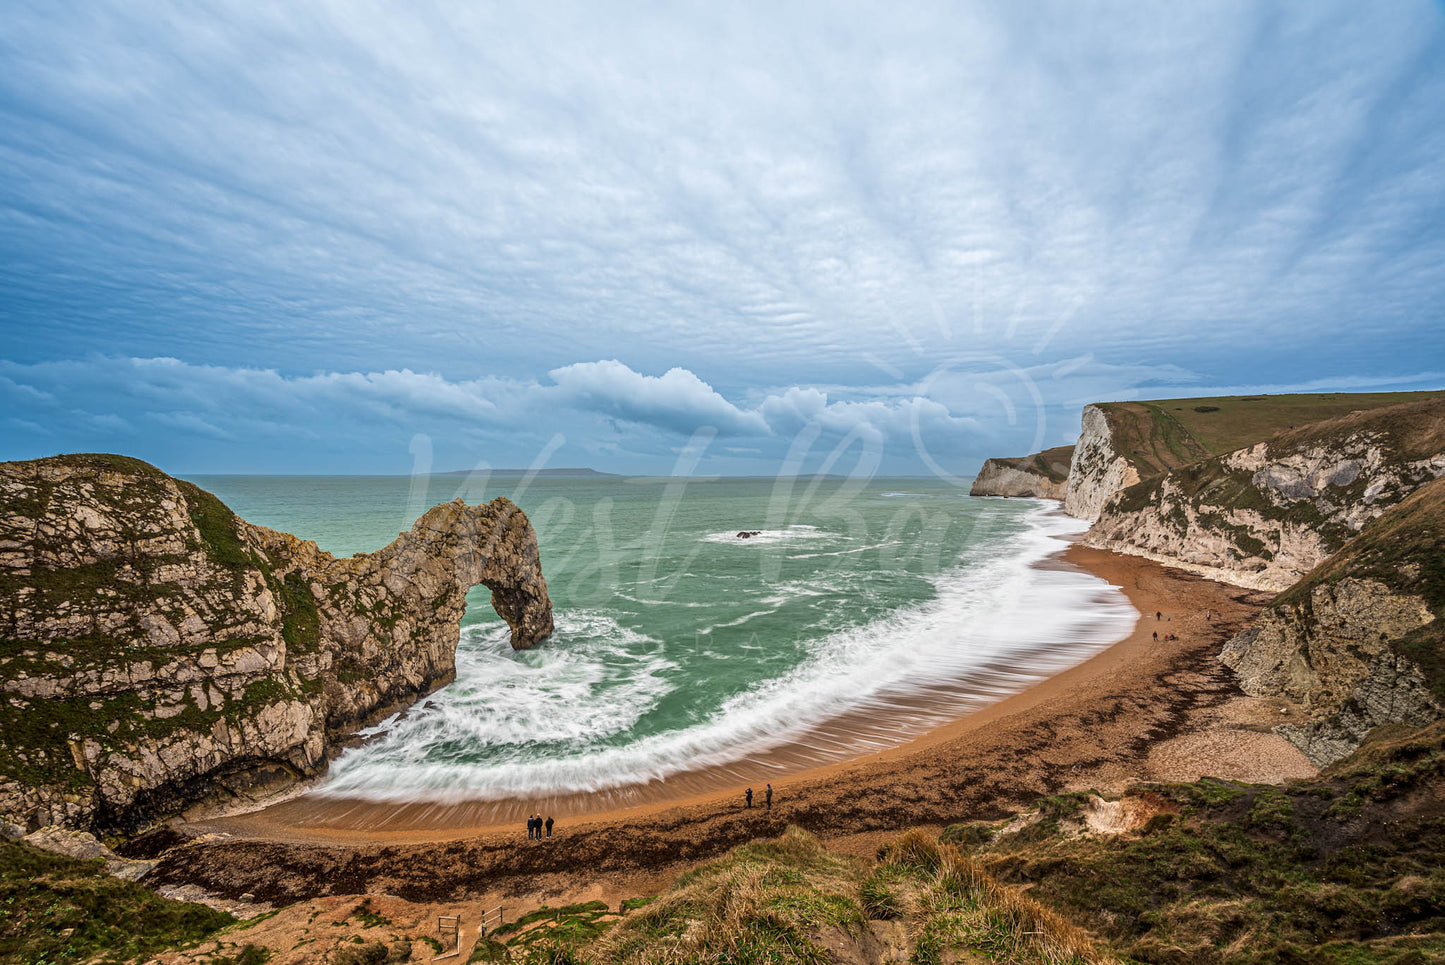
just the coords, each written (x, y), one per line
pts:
(158, 649)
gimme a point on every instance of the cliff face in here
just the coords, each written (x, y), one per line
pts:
(1359, 642)
(1099, 468)
(1043, 475)
(159, 648)
(1265, 515)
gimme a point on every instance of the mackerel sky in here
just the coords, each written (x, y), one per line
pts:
(733, 238)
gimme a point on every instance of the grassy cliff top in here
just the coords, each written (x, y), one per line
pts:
(94, 460)
(1164, 434)
(1053, 464)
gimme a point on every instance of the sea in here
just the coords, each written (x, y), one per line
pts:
(861, 614)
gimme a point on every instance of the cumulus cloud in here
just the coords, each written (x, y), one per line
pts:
(676, 400)
(605, 413)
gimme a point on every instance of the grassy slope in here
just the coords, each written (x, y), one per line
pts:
(58, 909)
(791, 900)
(1052, 464)
(1344, 869)
(1416, 430)
(1167, 433)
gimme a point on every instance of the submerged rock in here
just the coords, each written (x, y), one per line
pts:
(160, 650)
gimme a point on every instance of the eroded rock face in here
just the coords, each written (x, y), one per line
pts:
(159, 649)
(1043, 475)
(1264, 516)
(1330, 652)
(1098, 469)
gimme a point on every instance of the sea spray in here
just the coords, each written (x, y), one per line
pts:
(648, 688)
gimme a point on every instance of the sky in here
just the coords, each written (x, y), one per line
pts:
(350, 237)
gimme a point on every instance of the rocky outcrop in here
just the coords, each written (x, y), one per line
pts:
(84, 846)
(1265, 515)
(1043, 475)
(1330, 653)
(1359, 642)
(159, 649)
(1099, 468)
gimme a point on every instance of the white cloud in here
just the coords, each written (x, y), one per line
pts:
(769, 195)
(676, 400)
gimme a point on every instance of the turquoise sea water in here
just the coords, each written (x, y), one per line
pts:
(680, 646)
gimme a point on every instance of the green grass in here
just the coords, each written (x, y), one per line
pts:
(774, 901)
(1245, 873)
(1052, 464)
(1164, 434)
(55, 909)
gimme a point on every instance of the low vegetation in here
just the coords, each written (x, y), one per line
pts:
(1343, 869)
(55, 909)
(791, 900)
(1052, 464)
(1168, 433)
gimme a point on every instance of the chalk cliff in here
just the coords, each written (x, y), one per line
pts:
(1265, 515)
(158, 649)
(1099, 467)
(1043, 475)
(1359, 642)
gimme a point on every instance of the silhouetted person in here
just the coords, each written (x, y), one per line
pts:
(768, 796)
(549, 825)
(531, 827)
(748, 794)
(1158, 616)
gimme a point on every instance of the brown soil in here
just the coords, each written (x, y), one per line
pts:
(1140, 710)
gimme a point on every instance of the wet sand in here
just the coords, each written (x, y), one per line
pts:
(1137, 711)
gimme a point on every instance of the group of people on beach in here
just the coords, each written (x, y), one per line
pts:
(535, 827)
(767, 796)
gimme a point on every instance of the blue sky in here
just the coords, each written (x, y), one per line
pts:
(345, 237)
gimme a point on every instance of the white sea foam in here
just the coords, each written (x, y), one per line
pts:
(996, 604)
(767, 537)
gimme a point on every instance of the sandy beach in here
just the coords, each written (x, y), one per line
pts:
(1140, 710)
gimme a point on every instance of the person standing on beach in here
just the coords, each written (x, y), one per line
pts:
(748, 796)
(549, 826)
(768, 796)
(1158, 616)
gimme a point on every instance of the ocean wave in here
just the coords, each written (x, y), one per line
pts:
(996, 604)
(768, 537)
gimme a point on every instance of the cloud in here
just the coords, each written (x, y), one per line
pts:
(753, 192)
(407, 220)
(676, 400)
